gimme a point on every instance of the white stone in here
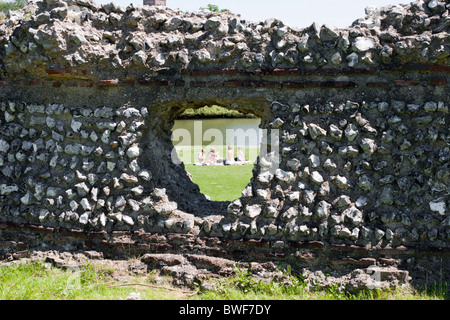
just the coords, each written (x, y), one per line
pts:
(93, 136)
(110, 165)
(26, 198)
(309, 196)
(355, 233)
(316, 131)
(316, 177)
(50, 122)
(52, 192)
(433, 3)
(8, 189)
(284, 176)
(105, 136)
(43, 213)
(134, 166)
(128, 220)
(303, 229)
(82, 189)
(438, 206)
(103, 219)
(354, 215)
(72, 149)
(368, 145)
(84, 218)
(361, 202)
(264, 163)
(4, 146)
(129, 178)
(226, 227)
(314, 161)
(138, 190)
(145, 175)
(73, 205)
(75, 125)
(85, 204)
(133, 152)
(303, 43)
(351, 132)
(120, 202)
(323, 209)
(253, 211)
(265, 177)
(352, 59)
(9, 117)
(342, 182)
(362, 44)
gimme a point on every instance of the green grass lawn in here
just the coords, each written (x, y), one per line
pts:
(221, 183)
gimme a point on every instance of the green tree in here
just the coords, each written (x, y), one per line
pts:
(214, 8)
(6, 6)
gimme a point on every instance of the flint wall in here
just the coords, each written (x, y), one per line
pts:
(89, 95)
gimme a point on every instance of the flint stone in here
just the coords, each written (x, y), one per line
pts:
(235, 207)
(85, 204)
(438, 206)
(253, 211)
(133, 152)
(72, 149)
(287, 177)
(323, 209)
(4, 146)
(316, 177)
(354, 215)
(362, 44)
(165, 208)
(8, 189)
(316, 131)
(265, 177)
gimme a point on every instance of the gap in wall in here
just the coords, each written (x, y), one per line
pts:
(218, 147)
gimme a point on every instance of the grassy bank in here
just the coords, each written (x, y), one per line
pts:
(41, 281)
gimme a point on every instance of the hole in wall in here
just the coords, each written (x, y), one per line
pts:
(218, 147)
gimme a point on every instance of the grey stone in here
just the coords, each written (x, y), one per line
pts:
(354, 215)
(165, 208)
(323, 209)
(316, 131)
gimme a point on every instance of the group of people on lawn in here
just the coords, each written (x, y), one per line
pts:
(213, 158)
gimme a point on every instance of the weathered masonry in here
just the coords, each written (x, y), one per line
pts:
(89, 95)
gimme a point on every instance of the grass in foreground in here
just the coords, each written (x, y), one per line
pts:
(221, 183)
(38, 281)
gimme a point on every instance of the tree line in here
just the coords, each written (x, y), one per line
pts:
(6, 6)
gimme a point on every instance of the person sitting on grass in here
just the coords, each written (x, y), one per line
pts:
(214, 158)
(201, 157)
(240, 159)
(230, 159)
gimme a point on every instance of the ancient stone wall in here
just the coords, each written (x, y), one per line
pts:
(89, 95)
